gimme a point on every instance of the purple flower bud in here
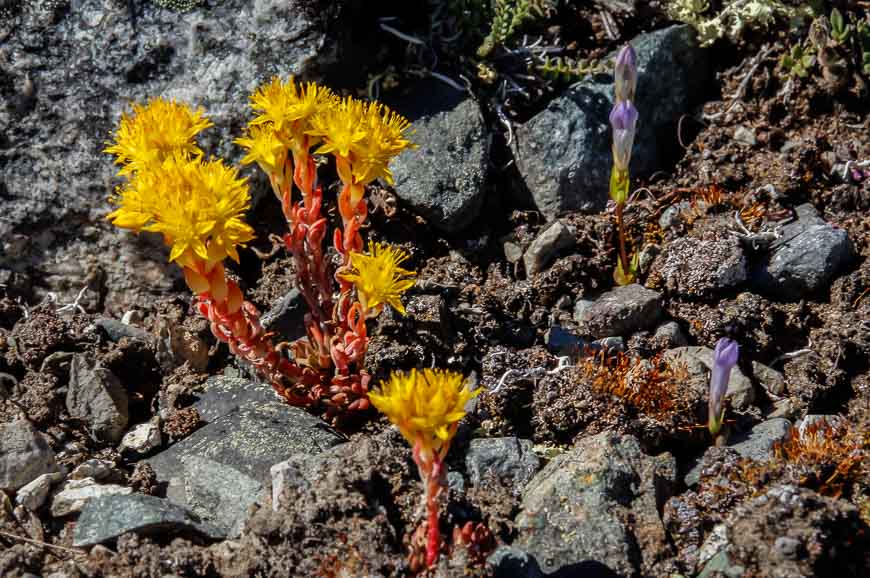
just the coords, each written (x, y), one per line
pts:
(625, 74)
(724, 358)
(623, 120)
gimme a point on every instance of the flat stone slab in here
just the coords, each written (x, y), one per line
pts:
(108, 517)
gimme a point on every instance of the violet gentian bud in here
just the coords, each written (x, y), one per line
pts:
(623, 120)
(625, 74)
(724, 358)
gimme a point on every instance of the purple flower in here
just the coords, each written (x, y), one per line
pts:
(623, 120)
(625, 74)
(724, 358)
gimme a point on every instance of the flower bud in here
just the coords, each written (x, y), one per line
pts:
(623, 120)
(625, 74)
(724, 358)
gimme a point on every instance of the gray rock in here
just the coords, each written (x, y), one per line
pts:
(699, 362)
(108, 517)
(96, 397)
(508, 459)
(580, 307)
(563, 153)
(287, 317)
(74, 494)
(579, 506)
(745, 136)
(672, 215)
(621, 311)
(550, 241)
(693, 267)
(219, 493)
(512, 252)
(757, 442)
(249, 439)
(84, 65)
(222, 394)
(807, 256)
(97, 469)
(33, 495)
(24, 455)
(511, 562)
(117, 330)
(444, 178)
(770, 379)
(671, 335)
(561, 342)
(142, 439)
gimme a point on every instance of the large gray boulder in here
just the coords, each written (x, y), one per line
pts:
(73, 67)
(598, 502)
(563, 152)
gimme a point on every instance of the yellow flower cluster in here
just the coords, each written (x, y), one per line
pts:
(154, 132)
(425, 405)
(364, 136)
(378, 277)
(197, 205)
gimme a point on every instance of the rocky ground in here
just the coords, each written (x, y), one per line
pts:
(132, 445)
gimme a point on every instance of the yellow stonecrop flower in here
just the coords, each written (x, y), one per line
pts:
(154, 132)
(378, 277)
(264, 148)
(366, 135)
(425, 405)
(197, 205)
(288, 109)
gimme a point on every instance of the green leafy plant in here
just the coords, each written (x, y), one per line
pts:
(862, 32)
(563, 69)
(797, 62)
(507, 17)
(734, 17)
(840, 28)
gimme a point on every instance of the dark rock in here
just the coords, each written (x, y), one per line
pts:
(562, 342)
(621, 311)
(577, 508)
(770, 379)
(510, 562)
(550, 241)
(24, 455)
(222, 394)
(807, 256)
(116, 330)
(758, 441)
(219, 493)
(670, 334)
(788, 531)
(563, 153)
(444, 178)
(98, 398)
(698, 268)
(108, 517)
(699, 362)
(509, 459)
(246, 441)
(287, 317)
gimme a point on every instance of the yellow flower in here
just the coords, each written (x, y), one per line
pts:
(367, 136)
(264, 147)
(385, 138)
(341, 127)
(424, 405)
(288, 109)
(154, 132)
(378, 277)
(198, 206)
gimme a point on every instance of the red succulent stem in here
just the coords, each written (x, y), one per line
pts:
(430, 464)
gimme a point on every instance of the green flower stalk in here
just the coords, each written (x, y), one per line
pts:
(623, 120)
